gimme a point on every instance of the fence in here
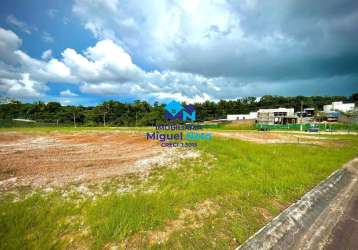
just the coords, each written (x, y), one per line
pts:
(322, 127)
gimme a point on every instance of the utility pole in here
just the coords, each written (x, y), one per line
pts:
(104, 118)
(301, 115)
(136, 118)
(106, 109)
(74, 119)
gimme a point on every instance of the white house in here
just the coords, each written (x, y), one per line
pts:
(339, 106)
(250, 116)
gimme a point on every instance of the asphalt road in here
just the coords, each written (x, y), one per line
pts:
(345, 234)
(336, 228)
(331, 222)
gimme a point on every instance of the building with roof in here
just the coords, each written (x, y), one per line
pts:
(250, 116)
(339, 106)
(276, 116)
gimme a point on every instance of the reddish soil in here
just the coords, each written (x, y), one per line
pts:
(62, 158)
(273, 137)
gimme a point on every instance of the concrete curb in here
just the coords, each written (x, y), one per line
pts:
(284, 230)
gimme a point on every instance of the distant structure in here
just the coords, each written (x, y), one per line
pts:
(332, 116)
(276, 116)
(250, 116)
(5, 100)
(23, 120)
(284, 116)
(307, 112)
(339, 106)
(308, 115)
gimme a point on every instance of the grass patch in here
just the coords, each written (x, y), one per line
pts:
(37, 222)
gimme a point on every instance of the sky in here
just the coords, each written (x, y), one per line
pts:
(83, 52)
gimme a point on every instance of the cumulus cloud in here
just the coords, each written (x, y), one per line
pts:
(102, 63)
(23, 76)
(52, 13)
(13, 21)
(104, 69)
(47, 37)
(251, 40)
(9, 42)
(68, 93)
(22, 86)
(47, 54)
(107, 68)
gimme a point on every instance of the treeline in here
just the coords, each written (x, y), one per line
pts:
(141, 113)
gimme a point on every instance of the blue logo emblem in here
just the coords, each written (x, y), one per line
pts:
(174, 110)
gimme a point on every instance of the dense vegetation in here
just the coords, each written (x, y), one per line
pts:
(141, 113)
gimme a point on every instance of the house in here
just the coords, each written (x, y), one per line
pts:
(250, 116)
(339, 106)
(309, 112)
(307, 115)
(276, 116)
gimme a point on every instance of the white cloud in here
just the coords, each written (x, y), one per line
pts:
(103, 69)
(68, 93)
(52, 13)
(58, 69)
(23, 76)
(165, 33)
(243, 39)
(9, 42)
(65, 20)
(180, 97)
(12, 20)
(22, 87)
(47, 54)
(102, 63)
(47, 37)
(107, 69)
(43, 71)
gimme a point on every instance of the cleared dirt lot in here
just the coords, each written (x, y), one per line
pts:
(278, 137)
(57, 159)
(60, 158)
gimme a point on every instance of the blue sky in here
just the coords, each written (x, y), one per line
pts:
(87, 51)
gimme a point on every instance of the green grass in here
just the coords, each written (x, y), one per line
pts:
(242, 179)
(36, 222)
(323, 127)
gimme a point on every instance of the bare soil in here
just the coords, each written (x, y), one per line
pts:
(276, 137)
(61, 158)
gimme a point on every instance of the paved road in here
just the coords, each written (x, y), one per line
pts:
(336, 228)
(331, 222)
(345, 234)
